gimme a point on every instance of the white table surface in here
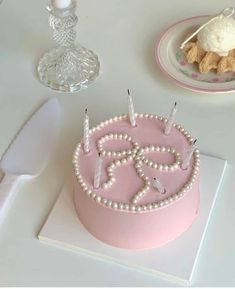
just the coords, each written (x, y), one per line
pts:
(122, 33)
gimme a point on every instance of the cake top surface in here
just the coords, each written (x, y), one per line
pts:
(131, 158)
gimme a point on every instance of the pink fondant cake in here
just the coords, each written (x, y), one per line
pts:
(127, 211)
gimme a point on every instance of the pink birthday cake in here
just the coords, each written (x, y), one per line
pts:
(127, 210)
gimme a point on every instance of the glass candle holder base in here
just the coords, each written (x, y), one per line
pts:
(68, 69)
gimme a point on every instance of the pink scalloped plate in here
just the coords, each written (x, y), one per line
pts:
(174, 65)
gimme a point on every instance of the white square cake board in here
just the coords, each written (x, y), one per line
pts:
(64, 229)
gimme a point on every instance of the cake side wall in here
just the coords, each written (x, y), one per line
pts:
(134, 230)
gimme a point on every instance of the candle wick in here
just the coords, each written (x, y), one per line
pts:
(99, 154)
(86, 111)
(128, 91)
(175, 104)
(194, 141)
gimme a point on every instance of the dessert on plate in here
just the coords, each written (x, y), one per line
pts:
(147, 190)
(212, 45)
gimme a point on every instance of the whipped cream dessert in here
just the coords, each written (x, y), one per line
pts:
(126, 210)
(212, 45)
(218, 35)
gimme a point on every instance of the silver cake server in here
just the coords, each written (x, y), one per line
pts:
(28, 153)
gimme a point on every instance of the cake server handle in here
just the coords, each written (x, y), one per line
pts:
(8, 188)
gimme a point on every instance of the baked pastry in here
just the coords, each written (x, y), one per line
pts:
(207, 61)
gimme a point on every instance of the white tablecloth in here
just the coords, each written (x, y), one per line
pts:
(122, 33)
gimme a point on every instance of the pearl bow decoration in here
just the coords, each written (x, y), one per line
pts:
(137, 157)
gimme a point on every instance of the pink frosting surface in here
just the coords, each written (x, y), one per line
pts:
(137, 230)
(147, 132)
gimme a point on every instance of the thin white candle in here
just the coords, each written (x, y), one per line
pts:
(60, 4)
(190, 151)
(131, 109)
(86, 136)
(98, 168)
(170, 120)
(157, 185)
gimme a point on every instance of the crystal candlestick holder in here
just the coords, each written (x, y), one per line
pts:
(68, 67)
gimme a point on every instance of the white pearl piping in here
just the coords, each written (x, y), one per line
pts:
(136, 155)
(138, 208)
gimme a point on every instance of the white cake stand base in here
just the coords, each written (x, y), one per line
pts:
(175, 262)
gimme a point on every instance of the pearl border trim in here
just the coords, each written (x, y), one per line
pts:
(132, 207)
